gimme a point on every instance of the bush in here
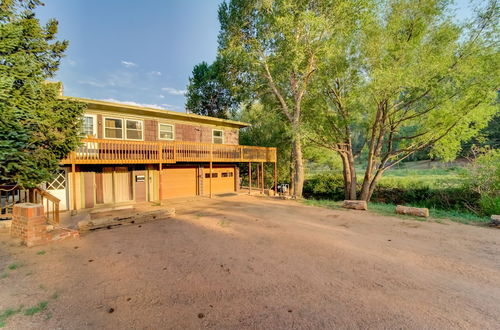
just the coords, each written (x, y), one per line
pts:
(324, 186)
(483, 177)
(490, 205)
(399, 191)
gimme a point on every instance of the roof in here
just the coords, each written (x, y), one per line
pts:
(138, 110)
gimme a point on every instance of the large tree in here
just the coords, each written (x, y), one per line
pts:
(408, 79)
(275, 47)
(37, 129)
(209, 93)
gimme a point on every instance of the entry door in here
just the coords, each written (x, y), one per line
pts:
(123, 184)
(107, 185)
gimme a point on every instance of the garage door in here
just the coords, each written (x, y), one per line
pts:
(178, 182)
(222, 180)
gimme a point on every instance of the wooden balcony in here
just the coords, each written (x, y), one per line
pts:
(102, 151)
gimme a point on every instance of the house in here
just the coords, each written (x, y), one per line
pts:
(139, 154)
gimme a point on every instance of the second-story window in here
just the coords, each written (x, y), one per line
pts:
(89, 126)
(113, 128)
(133, 129)
(217, 136)
(166, 131)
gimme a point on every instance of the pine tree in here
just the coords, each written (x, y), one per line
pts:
(37, 128)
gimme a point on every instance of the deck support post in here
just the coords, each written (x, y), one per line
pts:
(258, 176)
(262, 178)
(211, 158)
(275, 179)
(160, 166)
(249, 178)
(73, 185)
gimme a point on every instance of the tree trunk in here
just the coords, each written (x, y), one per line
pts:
(298, 173)
(352, 171)
(347, 175)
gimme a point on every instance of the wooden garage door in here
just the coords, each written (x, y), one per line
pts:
(222, 180)
(179, 182)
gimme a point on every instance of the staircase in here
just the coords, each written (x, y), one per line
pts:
(12, 194)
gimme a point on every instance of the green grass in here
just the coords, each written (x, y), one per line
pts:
(13, 266)
(4, 275)
(389, 209)
(4, 315)
(432, 178)
(36, 309)
(41, 252)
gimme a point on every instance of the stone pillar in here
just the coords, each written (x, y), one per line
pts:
(29, 224)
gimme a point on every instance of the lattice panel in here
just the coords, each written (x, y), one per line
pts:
(58, 183)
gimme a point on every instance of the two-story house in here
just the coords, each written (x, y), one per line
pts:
(139, 154)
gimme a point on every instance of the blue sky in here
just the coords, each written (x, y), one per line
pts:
(140, 52)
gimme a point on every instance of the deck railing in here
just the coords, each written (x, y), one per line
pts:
(102, 151)
(11, 195)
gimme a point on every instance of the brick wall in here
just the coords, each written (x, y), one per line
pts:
(150, 130)
(29, 224)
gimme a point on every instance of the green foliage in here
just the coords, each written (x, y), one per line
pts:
(4, 315)
(266, 129)
(37, 129)
(483, 174)
(209, 92)
(389, 210)
(324, 186)
(36, 309)
(483, 177)
(490, 204)
(416, 191)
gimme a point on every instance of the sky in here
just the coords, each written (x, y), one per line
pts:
(137, 52)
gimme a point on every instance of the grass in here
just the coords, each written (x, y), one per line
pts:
(4, 315)
(432, 178)
(13, 266)
(389, 209)
(41, 306)
(224, 223)
(4, 275)
(41, 252)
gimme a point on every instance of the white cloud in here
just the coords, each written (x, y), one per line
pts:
(161, 96)
(128, 64)
(71, 62)
(155, 73)
(147, 105)
(174, 91)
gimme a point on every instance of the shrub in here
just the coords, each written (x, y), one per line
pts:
(324, 186)
(490, 205)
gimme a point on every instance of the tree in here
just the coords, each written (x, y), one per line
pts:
(208, 93)
(37, 129)
(274, 47)
(408, 79)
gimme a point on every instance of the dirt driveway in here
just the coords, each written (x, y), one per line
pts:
(249, 262)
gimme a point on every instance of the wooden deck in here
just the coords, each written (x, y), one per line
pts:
(102, 151)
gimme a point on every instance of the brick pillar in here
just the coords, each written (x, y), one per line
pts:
(29, 224)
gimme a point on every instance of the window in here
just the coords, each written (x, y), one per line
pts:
(214, 175)
(113, 128)
(217, 136)
(225, 174)
(134, 129)
(166, 131)
(89, 127)
(207, 175)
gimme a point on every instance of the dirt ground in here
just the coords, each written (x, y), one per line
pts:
(250, 262)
